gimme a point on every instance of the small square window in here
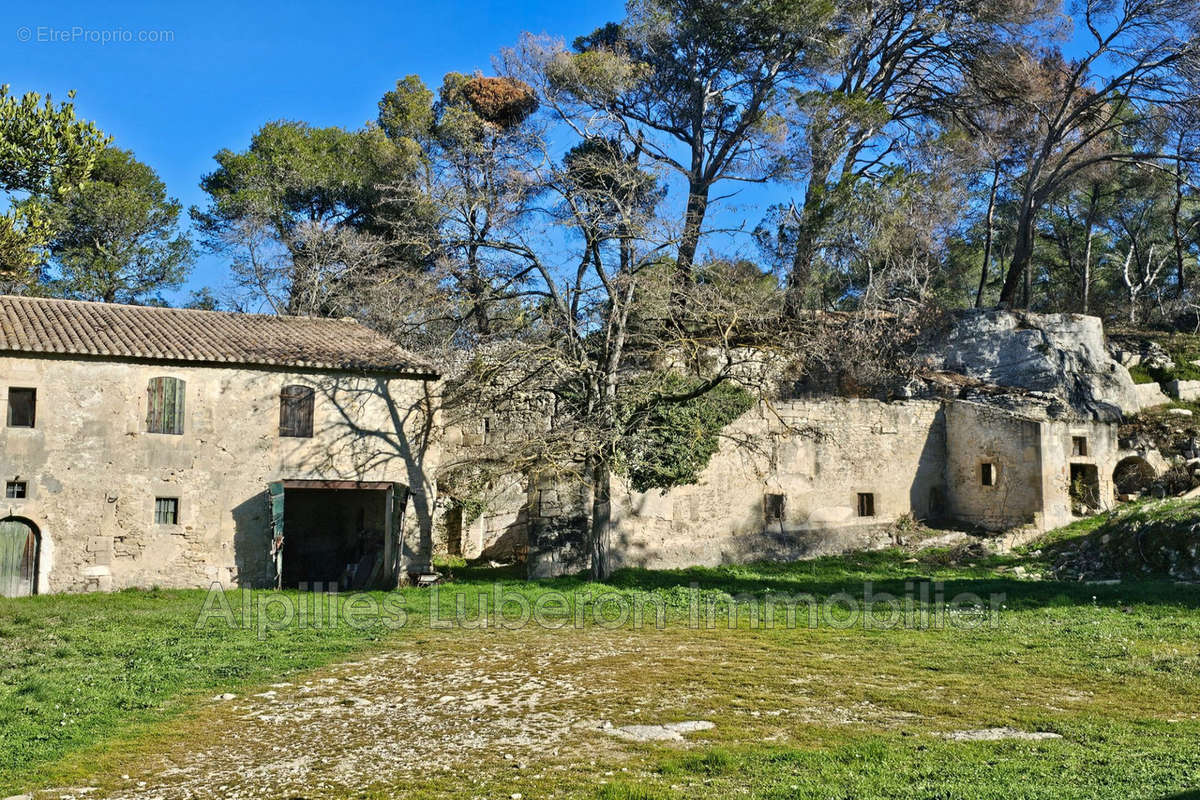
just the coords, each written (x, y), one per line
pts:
(166, 511)
(1079, 446)
(987, 474)
(866, 504)
(773, 507)
(15, 490)
(22, 407)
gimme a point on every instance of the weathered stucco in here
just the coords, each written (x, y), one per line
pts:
(819, 456)
(93, 473)
(1032, 461)
(920, 458)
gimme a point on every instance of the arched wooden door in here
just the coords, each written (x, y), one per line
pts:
(18, 558)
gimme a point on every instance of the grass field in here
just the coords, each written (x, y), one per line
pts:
(95, 690)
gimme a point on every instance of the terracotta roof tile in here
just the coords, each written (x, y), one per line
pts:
(72, 327)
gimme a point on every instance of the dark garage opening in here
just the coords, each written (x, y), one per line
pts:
(337, 533)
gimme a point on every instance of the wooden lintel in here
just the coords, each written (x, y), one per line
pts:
(341, 485)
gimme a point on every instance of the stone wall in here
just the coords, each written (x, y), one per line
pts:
(823, 458)
(1068, 446)
(93, 473)
(488, 506)
(1031, 464)
(493, 524)
(817, 461)
(979, 437)
(559, 520)
(1184, 390)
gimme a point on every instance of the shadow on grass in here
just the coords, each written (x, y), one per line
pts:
(888, 571)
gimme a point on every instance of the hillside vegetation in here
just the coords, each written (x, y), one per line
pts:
(1150, 540)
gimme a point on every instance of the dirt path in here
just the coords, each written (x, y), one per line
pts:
(426, 708)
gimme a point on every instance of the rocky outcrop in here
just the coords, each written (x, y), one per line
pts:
(1132, 351)
(1150, 395)
(1063, 355)
(1153, 541)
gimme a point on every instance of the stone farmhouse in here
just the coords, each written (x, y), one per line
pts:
(177, 448)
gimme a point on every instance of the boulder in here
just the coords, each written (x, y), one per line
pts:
(1150, 395)
(1184, 390)
(1057, 354)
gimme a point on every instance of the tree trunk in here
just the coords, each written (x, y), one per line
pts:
(800, 275)
(1177, 234)
(1027, 294)
(601, 518)
(1093, 211)
(1022, 257)
(987, 243)
(808, 225)
(693, 223)
(1087, 269)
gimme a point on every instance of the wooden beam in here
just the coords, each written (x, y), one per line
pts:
(379, 486)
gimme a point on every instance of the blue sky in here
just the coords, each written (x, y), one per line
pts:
(232, 66)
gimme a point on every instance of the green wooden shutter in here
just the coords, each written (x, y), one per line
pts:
(18, 559)
(165, 405)
(275, 496)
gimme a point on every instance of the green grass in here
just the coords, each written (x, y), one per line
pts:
(1150, 539)
(1082, 526)
(91, 684)
(75, 669)
(893, 767)
(1141, 374)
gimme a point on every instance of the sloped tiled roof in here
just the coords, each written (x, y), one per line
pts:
(72, 327)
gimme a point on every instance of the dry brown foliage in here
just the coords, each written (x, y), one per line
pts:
(504, 102)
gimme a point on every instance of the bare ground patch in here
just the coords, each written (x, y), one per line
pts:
(474, 713)
(425, 707)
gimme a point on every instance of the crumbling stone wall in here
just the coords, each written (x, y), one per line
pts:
(1009, 446)
(93, 472)
(790, 481)
(475, 473)
(823, 457)
(1101, 452)
(1032, 464)
(559, 522)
